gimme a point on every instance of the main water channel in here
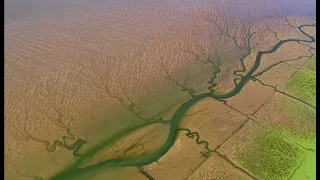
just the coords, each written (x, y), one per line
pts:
(74, 171)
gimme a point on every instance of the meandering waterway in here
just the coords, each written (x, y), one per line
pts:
(75, 171)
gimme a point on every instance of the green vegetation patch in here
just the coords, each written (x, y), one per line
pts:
(305, 132)
(301, 126)
(271, 157)
(307, 169)
(297, 110)
(303, 85)
(311, 64)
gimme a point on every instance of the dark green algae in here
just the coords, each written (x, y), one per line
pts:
(74, 172)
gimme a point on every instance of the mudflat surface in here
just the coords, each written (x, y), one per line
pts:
(159, 89)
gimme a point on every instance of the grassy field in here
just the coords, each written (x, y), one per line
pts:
(307, 169)
(303, 85)
(272, 157)
(311, 64)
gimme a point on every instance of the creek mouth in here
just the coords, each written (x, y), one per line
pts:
(174, 122)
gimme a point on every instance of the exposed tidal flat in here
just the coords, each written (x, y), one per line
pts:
(98, 106)
(174, 122)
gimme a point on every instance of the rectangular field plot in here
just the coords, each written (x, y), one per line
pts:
(303, 86)
(262, 152)
(217, 168)
(291, 117)
(251, 97)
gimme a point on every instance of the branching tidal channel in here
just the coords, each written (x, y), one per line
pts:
(75, 170)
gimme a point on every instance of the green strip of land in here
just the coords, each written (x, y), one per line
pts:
(307, 169)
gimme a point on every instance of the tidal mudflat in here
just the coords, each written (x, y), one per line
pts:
(158, 89)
